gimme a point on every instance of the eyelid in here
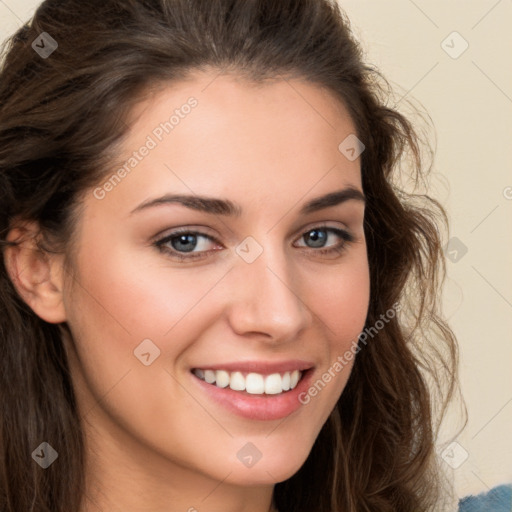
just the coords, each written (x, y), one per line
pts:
(193, 228)
(324, 225)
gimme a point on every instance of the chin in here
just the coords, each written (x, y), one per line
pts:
(269, 472)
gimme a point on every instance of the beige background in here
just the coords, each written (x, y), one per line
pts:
(469, 98)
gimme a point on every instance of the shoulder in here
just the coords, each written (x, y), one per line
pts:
(498, 499)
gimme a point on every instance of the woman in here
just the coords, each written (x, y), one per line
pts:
(215, 295)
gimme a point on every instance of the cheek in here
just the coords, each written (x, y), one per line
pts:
(116, 303)
(342, 300)
(126, 299)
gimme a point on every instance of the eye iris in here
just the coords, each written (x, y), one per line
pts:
(188, 240)
(319, 237)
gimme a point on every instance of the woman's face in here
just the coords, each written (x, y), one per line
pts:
(250, 280)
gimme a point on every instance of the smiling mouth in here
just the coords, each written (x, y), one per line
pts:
(251, 382)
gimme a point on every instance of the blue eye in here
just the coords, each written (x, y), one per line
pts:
(319, 236)
(185, 244)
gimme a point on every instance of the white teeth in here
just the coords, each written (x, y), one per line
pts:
(285, 382)
(237, 381)
(273, 384)
(222, 379)
(253, 383)
(294, 378)
(209, 376)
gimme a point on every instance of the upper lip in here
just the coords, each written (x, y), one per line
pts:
(263, 367)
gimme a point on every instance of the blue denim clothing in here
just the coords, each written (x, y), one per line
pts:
(498, 499)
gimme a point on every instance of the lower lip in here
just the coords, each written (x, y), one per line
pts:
(257, 407)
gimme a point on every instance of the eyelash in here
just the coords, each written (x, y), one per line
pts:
(160, 244)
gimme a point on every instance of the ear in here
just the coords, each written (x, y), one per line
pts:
(37, 275)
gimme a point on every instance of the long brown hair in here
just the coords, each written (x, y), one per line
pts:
(61, 118)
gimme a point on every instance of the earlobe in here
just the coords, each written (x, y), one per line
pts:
(36, 274)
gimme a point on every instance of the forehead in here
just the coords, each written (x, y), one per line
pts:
(220, 134)
(267, 102)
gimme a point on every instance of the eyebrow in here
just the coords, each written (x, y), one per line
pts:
(229, 208)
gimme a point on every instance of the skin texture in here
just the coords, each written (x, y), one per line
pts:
(155, 441)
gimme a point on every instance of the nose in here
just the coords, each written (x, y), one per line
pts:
(266, 299)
